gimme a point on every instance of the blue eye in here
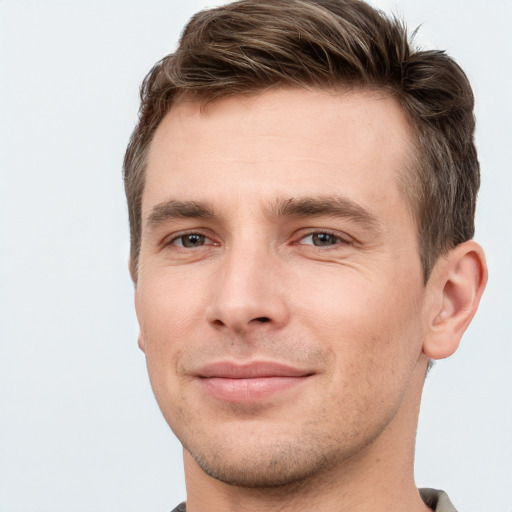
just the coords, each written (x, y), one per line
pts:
(321, 239)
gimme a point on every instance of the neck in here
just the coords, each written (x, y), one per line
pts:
(379, 477)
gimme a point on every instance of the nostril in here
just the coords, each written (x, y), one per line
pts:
(262, 319)
(238, 322)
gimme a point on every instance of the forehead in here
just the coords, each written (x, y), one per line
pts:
(280, 143)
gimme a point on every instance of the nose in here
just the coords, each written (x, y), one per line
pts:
(248, 293)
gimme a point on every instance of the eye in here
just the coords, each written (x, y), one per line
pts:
(322, 239)
(191, 240)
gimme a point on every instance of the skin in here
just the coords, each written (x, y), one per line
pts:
(245, 259)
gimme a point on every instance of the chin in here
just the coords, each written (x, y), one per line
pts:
(280, 466)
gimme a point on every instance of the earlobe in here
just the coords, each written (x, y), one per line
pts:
(457, 284)
(132, 270)
(140, 338)
(140, 342)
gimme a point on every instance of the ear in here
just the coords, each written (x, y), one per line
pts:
(140, 339)
(455, 288)
(140, 342)
(133, 271)
(133, 274)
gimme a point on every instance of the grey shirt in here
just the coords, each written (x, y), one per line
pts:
(436, 500)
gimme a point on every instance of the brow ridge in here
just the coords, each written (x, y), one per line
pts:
(174, 209)
(331, 206)
(314, 206)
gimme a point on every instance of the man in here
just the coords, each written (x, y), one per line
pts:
(301, 190)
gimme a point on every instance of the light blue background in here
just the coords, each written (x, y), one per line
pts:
(79, 428)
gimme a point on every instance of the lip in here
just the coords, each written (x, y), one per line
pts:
(252, 382)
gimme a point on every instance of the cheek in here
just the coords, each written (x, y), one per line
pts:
(375, 340)
(169, 314)
(167, 303)
(165, 322)
(367, 324)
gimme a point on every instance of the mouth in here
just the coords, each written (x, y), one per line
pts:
(251, 382)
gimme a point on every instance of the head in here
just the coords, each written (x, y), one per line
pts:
(301, 189)
(251, 46)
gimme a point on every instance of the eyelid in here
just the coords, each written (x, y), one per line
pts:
(304, 233)
(170, 239)
(344, 239)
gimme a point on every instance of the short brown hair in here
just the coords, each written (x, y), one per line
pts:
(251, 45)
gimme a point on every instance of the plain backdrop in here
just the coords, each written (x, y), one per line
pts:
(80, 430)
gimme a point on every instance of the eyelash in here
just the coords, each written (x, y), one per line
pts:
(339, 240)
(182, 235)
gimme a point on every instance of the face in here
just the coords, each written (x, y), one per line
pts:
(280, 290)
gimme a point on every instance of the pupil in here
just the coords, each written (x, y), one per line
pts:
(322, 239)
(193, 240)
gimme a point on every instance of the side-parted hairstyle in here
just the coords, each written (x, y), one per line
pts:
(252, 45)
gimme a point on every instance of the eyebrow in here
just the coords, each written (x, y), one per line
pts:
(173, 209)
(317, 206)
(325, 206)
